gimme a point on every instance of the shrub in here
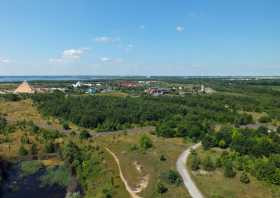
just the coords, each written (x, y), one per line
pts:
(161, 188)
(49, 147)
(173, 177)
(30, 167)
(56, 176)
(264, 119)
(244, 178)
(84, 135)
(3, 122)
(162, 158)
(24, 139)
(208, 164)
(65, 126)
(34, 149)
(133, 147)
(228, 169)
(145, 142)
(22, 151)
(35, 128)
(195, 162)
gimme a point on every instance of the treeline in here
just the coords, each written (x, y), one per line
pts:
(256, 151)
(113, 113)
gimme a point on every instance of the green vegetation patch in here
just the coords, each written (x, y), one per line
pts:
(56, 176)
(30, 167)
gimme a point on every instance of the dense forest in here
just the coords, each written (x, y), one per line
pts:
(113, 113)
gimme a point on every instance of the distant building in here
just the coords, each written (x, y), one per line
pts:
(91, 90)
(24, 87)
(77, 84)
(157, 91)
(129, 84)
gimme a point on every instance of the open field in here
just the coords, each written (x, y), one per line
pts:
(214, 184)
(132, 158)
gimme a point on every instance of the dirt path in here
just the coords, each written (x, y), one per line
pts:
(186, 176)
(128, 188)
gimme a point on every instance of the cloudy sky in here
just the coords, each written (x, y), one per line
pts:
(139, 37)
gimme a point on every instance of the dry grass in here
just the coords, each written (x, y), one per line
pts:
(149, 160)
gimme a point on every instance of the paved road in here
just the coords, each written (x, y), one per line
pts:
(182, 169)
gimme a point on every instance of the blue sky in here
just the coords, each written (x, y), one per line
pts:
(139, 37)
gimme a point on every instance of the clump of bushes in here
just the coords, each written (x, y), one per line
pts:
(172, 177)
(208, 164)
(22, 151)
(161, 188)
(84, 135)
(228, 169)
(244, 178)
(145, 142)
(30, 167)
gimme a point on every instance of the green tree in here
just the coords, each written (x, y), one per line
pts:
(145, 142)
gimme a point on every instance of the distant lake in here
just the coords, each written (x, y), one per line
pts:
(47, 78)
(64, 78)
(87, 78)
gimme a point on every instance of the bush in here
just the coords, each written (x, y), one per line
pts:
(49, 147)
(145, 142)
(22, 151)
(208, 164)
(3, 122)
(162, 158)
(195, 162)
(264, 119)
(24, 139)
(34, 149)
(35, 128)
(30, 167)
(228, 169)
(65, 126)
(56, 176)
(84, 135)
(244, 178)
(161, 188)
(174, 177)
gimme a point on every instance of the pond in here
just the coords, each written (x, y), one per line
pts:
(19, 186)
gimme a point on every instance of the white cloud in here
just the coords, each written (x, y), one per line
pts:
(111, 60)
(4, 60)
(105, 59)
(69, 55)
(180, 29)
(106, 39)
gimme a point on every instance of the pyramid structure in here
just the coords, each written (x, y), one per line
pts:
(24, 87)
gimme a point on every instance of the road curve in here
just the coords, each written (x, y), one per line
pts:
(182, 169)
(129, 190)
